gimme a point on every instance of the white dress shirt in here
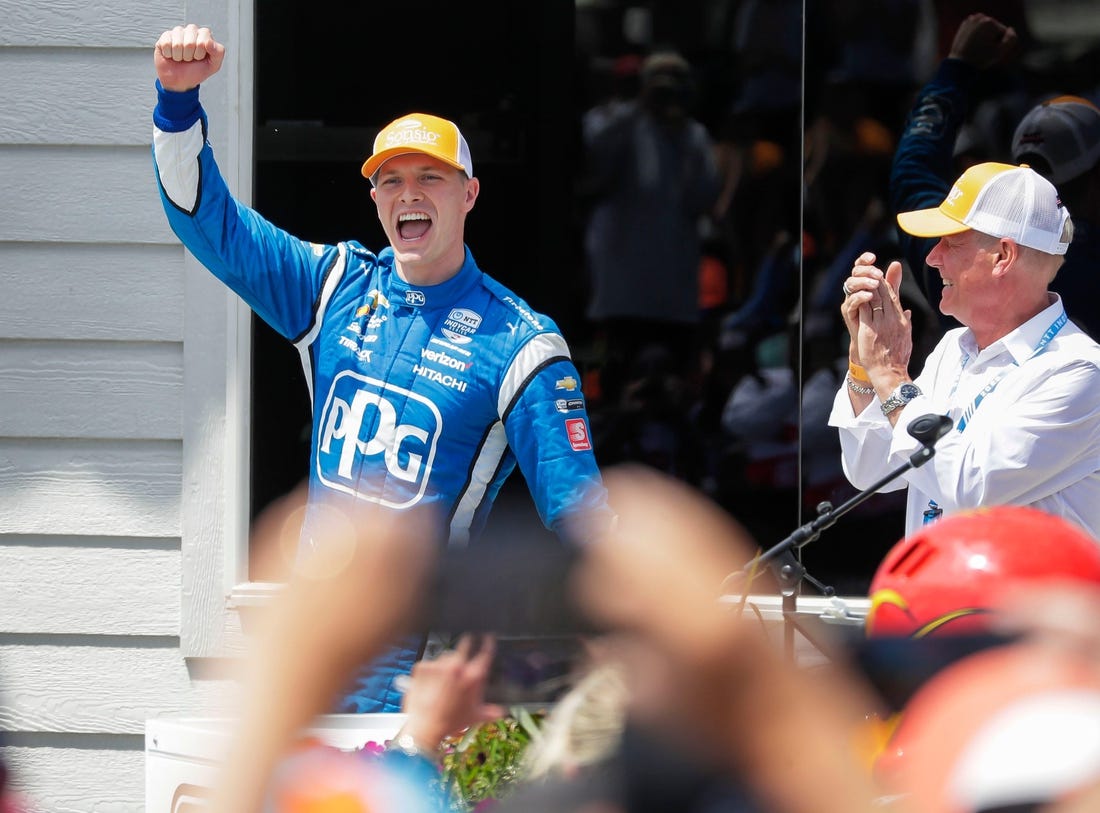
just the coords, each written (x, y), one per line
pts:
(1033, 440)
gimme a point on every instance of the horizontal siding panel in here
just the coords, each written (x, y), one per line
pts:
(92, 291)
(43, 105)
(80, 194)
(83, 24)
(71, 779)
(90, 389)
(79, 487)
(89, 591)
(108, 689)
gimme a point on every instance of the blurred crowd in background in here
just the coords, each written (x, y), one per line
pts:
(799, 108)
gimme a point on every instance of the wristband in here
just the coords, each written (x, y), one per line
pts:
(858, 373)
(854, 386)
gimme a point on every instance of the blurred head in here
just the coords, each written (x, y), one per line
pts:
(1008, 728)
(947, 577)
(1060, 138)
(666, 85)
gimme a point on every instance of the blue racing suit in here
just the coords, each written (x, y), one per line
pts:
(423, 396)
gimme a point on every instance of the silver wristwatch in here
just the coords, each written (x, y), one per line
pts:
(900, 397)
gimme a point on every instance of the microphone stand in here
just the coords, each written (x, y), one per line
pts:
(789, 571)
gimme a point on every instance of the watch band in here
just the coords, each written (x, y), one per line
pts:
(900, 397)
(892, 403)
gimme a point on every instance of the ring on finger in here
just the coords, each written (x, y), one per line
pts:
(846, 289)
(879, 308)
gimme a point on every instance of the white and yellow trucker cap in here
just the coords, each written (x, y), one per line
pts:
(1001, 200)
(423, 133)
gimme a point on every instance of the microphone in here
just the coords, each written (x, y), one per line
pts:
(927, 429)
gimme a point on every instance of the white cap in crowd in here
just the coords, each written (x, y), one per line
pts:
(1064, 132)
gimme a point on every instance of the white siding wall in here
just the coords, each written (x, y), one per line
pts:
(113, 348)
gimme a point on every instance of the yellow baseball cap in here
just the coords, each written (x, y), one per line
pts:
(423, 133)
(1001, 200)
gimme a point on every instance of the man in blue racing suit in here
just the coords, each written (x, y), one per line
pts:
(429, 380)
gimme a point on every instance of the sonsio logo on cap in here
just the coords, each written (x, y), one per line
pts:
(420, 133)
(409, 131)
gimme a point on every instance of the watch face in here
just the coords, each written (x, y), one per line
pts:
(907, 392)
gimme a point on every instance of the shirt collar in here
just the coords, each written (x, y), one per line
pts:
(1022, 341)
(401, 292)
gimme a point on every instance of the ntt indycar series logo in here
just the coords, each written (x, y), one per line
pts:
(362, 446)
(460, 325)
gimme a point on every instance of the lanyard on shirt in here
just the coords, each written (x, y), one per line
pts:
(1050, 333)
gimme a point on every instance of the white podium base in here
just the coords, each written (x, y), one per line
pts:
(182, 755)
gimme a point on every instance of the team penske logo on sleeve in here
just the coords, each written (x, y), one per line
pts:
(577, 430)
(362, 446)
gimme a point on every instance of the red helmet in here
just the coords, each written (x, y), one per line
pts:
(945, 577)
(1011, 725)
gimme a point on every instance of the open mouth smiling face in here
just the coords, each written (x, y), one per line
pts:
(412, 226)
(422, 204)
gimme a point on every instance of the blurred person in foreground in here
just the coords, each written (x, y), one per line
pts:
(1018, 381)
(1011, 728)
(708, 683)
(1059, 138)
(717, 690)
(341, 605)
(1014, 726)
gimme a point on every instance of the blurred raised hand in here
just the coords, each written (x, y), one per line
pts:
(710, 678)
